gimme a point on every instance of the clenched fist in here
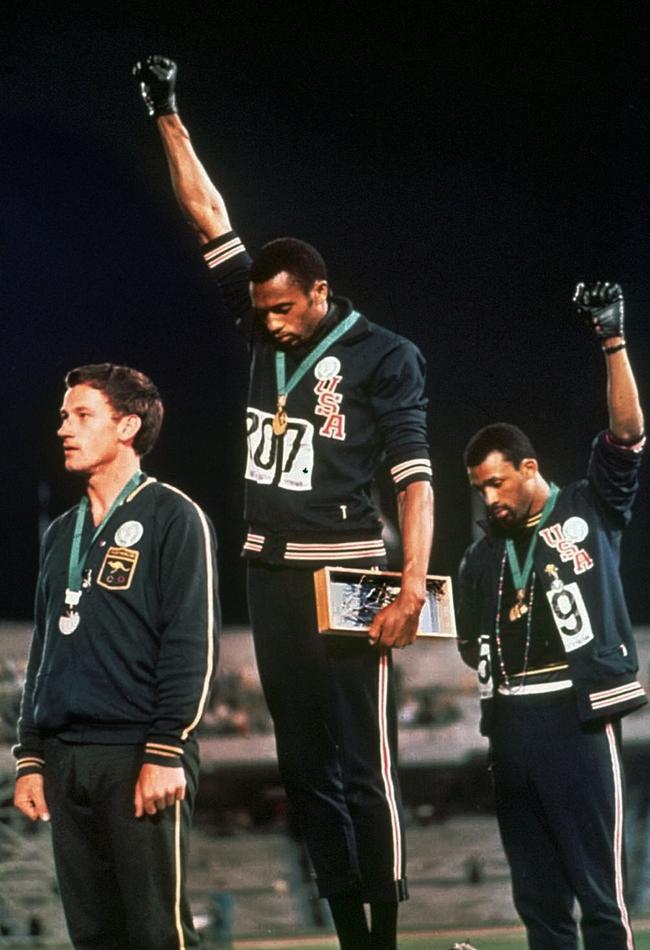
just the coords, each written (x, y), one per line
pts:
(601, 305)
(157, 78)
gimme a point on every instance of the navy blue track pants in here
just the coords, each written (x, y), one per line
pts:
(333, 707)
(121, 878)
(559, 797)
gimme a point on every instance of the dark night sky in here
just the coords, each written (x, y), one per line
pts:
(460, 165)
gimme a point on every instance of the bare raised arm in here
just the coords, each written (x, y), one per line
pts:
(602, 306)
(625, 413)
(200, 202)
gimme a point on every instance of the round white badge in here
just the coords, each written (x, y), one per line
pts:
(575, 529)
(329, 366)
(128, 534)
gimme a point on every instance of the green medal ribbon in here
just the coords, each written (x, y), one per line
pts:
(77, 560)
(520, 576)
(284, 387)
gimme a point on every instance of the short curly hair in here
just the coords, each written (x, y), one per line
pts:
(514, 445)
(300, 260)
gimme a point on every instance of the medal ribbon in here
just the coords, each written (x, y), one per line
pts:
(520, 575)
(284, 388)
(77, 561)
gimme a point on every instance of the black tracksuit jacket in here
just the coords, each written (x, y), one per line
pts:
(308, 494)
(139, 667)
(578, 551)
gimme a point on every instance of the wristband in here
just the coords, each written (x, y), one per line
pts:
(608, 350)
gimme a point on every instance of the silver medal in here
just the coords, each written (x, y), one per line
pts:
(68, 623)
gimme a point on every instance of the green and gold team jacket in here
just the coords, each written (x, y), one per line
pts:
(139, 666)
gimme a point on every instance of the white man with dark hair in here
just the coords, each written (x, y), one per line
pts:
(120, 668)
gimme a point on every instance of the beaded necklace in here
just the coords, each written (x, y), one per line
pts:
(521, 577)
(497, 628)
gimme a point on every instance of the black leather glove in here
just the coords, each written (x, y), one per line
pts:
(601, 305)
(157, 78)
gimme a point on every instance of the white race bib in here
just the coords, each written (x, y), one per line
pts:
(286, 460)
(570, 616)
(485, 684)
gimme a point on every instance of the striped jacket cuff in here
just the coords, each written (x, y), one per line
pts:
(254, 542)
(219, 254)
(411, 470)
(163, 752)
(606, 699)
(29, 764)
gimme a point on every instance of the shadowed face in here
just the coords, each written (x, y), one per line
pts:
(289, 315)
(508, 492)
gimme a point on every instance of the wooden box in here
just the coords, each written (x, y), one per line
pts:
(347, 600)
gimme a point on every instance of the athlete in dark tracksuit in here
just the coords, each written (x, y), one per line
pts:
(556, 659)
(114, 689)
(309, 506)
(351, 401)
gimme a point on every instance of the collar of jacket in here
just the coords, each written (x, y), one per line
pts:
(492, 536)
(339, 309)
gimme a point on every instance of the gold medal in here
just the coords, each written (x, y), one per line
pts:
(280, 418)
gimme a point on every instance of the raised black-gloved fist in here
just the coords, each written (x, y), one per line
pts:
(157, 78)
(601, 305)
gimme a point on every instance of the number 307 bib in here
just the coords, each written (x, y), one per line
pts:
(570, 616)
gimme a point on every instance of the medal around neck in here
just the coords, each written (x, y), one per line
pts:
(519, 608)
(521, 575)
(280, 418)
(284, 386)
(77, 578)
(69, 621)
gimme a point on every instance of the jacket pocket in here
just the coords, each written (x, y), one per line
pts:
(615, 659)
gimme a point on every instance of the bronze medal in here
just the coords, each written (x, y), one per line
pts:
(519, 608)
